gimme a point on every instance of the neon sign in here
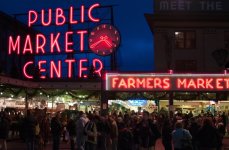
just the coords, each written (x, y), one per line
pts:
(40, 44)
(167, 82)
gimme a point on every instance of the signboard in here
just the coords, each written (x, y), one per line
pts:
(166, 82)
(192, 5)
(137, 102)
(104, 40)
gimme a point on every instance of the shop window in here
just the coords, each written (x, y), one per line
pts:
(185, 40)
(186, 66)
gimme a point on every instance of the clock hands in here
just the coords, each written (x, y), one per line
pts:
(102, 39)
(95, 44)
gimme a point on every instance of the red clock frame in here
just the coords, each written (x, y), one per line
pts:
(104, 39)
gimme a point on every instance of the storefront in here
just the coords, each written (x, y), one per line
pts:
(168, 91)
(55, 96)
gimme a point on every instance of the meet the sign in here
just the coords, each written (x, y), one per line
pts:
(191, 5)
(167, 82)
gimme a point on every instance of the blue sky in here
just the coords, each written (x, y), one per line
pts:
(136, 50)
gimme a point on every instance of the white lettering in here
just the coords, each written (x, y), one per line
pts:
(219, 6)
(181, 5)
(175, 5)
(164, 5)
(211, 5)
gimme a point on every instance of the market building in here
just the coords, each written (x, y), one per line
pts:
(67, 64)
(190, 40)
(192, 37)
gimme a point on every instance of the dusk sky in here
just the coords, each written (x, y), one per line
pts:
(136, 50)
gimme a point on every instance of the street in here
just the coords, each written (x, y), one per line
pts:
(18, 145)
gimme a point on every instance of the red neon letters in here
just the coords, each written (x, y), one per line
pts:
(61, 16)
(25, 70)
(199, 83)
(148, 83)
(41, 41)
(56, 68)
(140, 83)
(82, 68)
(41, 44)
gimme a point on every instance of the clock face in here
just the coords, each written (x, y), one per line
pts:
(104, 39)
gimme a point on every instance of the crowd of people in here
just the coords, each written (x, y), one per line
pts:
(117, 131)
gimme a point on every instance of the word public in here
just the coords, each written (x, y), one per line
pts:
(56, 43)
(175, 82)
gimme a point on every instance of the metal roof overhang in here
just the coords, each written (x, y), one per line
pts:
(73, 85)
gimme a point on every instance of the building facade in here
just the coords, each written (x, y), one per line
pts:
(11, 65)
(190, 36)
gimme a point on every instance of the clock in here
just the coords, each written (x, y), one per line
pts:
(104, 39)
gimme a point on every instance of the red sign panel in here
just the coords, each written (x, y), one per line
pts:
(167, 82)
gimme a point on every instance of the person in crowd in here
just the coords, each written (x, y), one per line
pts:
(167, 134)
(125, 136)
(102, 132)
(113, 134)
(208, 136)
(4, 129)
(221, 130)
(56, 129)
(30, 129)
(71, 127)
(190, 114)
(45, 129)
(64, 125)
(80, 135)
(194, 129)
(90, 130)
(147, 133)
(134, 124)
(178, 137)
(224, 119)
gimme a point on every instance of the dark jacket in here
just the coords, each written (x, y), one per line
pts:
(148, 134)
(125, 139)
(167, 134)
(30, 124)
(208, 137)
(194, 129)
(71, 127)
(56, 127)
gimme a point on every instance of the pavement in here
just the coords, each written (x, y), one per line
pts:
(17, 144)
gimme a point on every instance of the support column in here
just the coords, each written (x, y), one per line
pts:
(104, 97)
(216, 102)
(171, 106)
(104, 103)
(52, 102)
(26, 101)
